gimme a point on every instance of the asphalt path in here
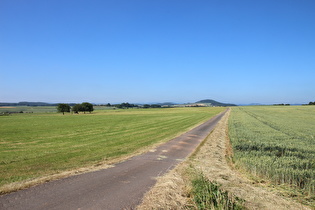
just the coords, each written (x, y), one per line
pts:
(119, 187)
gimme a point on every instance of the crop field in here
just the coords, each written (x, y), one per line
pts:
(39, 144)
(277, 144)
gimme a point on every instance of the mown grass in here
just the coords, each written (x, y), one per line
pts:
(35, 145)
(277, 144)
(40, 109)
(28, 109)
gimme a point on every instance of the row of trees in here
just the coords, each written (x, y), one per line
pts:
(88, 107)
(127, 106)
(311, 103)
(151, 106)
(281, 104)
(84, 107)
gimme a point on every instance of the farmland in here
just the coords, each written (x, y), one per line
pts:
(39, 109)
(210, 168)
(276, 144)
(41, 144)
(28, 109)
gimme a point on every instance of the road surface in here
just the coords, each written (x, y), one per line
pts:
(119, 187)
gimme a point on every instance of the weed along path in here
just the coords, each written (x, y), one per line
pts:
(119, 187)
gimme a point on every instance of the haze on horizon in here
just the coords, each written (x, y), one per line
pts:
(157, 51)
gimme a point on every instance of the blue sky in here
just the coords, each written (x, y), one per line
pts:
(141, 51)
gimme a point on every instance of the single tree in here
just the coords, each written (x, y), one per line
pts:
(87, 107)
(63, 108)
(77, 108)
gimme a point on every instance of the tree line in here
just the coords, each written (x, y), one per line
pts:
(145, 106)
(281, 104)
(310, 103)
(84, 107)
(88, 107)
(127, 106)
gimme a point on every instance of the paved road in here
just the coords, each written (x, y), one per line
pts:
(120, 187)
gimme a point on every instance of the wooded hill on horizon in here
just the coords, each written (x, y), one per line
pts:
(209, 102)
(214, 103)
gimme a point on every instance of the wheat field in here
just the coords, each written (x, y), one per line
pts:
(277, 144)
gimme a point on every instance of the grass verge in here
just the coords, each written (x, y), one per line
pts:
(207, 194)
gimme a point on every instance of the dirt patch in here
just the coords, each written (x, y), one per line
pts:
(211, 158)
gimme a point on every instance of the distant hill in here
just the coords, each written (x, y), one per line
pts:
(25, 103)
(213, 103)
(207, 102)
(167, 104)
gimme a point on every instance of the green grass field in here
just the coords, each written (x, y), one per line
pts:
(277, 144)
(39, 144)
(41, 109)
(29, 109)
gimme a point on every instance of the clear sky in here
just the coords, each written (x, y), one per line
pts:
(139, 51)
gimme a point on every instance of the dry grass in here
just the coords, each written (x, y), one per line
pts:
(211, 159)
(170, 192)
